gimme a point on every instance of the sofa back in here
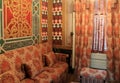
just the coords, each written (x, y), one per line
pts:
(7, 74)
(46, 47)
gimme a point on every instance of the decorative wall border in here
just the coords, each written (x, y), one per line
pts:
(17, 44)
(36, 20)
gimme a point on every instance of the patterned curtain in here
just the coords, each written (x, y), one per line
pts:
(84, 35)
(84, 32)
(113, 40)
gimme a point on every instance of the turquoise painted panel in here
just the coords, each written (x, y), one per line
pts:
(18, 44)
(2, 42)
(0, 4)
(36, 19)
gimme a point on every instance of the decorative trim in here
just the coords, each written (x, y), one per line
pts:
(0, 4)
(36, 19)
(17, 44)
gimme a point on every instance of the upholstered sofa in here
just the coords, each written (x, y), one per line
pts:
(33, 64)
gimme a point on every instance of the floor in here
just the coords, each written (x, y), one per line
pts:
(72, 78)
(114, 82)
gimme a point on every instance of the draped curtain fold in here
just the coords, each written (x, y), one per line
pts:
(84, 35)
(84, 30)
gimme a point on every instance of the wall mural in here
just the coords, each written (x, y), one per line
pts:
(17, 18)
(20, 25)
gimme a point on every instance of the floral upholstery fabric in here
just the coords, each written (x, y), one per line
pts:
(33, 60)
(61, 65)
(28, 81)
(58, 72)
(43, 48)
(61, 57)
(4, 64)
(32, 57)
(89, 72)
(49, 46)
(9, 77)
(53, 74)
(16, 61)
(50, 58)
(43, 78)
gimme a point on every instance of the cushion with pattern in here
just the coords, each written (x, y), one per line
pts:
(9, 77)
(50, 59)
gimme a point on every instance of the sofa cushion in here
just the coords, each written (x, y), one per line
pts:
(31, 68)
(55, 72)
(33, 60)
(44, 61)
(43, 78)
(15, 60)
(9, 77)
(62, 65)
(52, 73)
(49, 46)
(28, 81)
(43, 48)
(4, 65)
(50, 59)
(27, 70)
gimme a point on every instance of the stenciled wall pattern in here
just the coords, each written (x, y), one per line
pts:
(57, 22)
(44, 22)
(19, 23)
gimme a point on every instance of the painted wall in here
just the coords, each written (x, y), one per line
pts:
(19, 23)
(68, 22)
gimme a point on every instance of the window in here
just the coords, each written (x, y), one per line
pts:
(99, 37)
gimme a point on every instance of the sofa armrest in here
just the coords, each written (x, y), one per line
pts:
(61, 57)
